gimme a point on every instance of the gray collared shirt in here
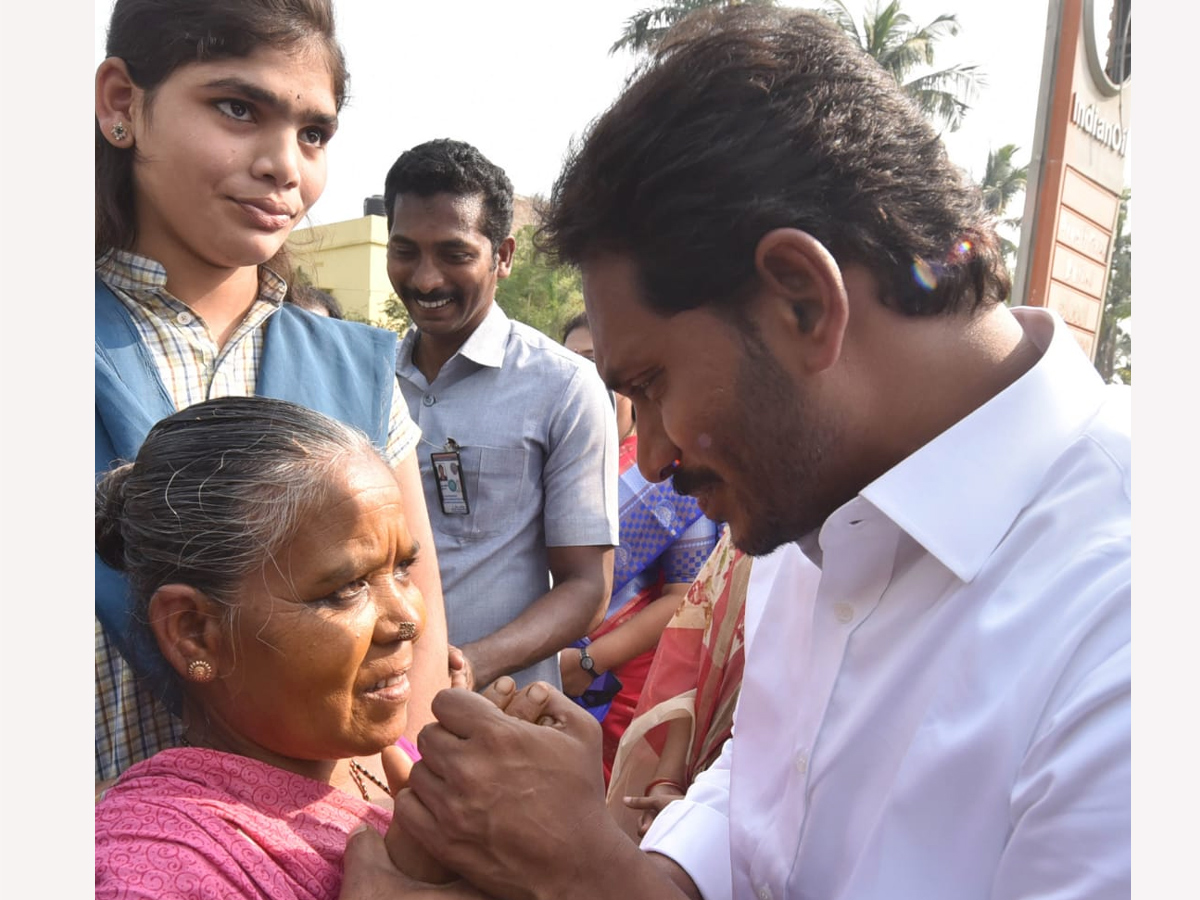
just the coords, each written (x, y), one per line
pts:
(537, 438)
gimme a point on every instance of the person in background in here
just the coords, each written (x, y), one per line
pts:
(212, 123)
(684, 715)
(316, 301)
(805, 300)
(665, 539)
(518, 457)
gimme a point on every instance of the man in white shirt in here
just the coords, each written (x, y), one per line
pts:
(805, 300)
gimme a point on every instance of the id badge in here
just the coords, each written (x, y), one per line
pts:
(448, 475)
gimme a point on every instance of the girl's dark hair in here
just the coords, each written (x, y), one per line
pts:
(215, 492)
(156, 37)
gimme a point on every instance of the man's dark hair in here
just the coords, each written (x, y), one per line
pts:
(752, 118)
(446, 166)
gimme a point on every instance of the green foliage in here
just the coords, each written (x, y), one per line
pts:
(1114, 343)
(1002, 183)
(541, 295)
(395, 316)
(646, 27)
(1002, 180)
(903, 48)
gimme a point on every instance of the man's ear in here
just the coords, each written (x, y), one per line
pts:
(504, 256)
(117, 100)
(187, 625)
(807, 292)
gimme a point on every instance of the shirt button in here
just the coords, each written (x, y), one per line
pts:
(844, 613)
(801, 763)
(185, 318)
(429, 400)
(763, 892)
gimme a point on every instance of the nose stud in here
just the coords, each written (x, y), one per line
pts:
(668, 470)
(407, 631)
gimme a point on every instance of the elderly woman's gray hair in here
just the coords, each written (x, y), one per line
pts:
(215, 491)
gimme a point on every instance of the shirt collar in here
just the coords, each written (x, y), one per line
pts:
(134, 273)
(959, 494)
(485, 346)
(487, 343)
(131, 271)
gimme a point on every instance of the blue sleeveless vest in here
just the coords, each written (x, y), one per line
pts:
(343, 369)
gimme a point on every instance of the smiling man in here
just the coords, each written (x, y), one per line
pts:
(805, 300)
(519, 447)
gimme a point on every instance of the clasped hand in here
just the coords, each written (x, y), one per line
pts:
(509, 783)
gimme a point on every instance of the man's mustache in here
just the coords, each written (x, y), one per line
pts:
(690, 481)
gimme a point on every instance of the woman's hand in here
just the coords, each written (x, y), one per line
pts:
(575, 678)
(369, 874)
(509, 804)
(653, 803)
(406, 854)
(461, 675)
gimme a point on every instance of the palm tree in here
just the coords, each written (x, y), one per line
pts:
(645, 28)
(901, 47)
(1002, 182)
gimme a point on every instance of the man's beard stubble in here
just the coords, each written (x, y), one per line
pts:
(779, 442)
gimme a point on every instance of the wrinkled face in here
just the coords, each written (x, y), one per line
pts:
(751, 447)
(442, 266)
(229, 156)
(317, 663)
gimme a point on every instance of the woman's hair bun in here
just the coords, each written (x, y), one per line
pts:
(110, 514)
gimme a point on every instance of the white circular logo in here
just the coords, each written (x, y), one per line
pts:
(1107, 33)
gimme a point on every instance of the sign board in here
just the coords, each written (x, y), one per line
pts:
(1077, 170)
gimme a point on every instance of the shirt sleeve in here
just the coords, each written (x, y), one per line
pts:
(1070, 805)
(403, 433)
(579, 478)
(694, 831)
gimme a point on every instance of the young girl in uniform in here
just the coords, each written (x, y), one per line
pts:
(213, 119)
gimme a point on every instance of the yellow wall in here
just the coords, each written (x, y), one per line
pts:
(349, 260)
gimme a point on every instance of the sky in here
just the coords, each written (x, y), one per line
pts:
(520, 80)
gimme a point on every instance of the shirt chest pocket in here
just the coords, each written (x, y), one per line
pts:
(497, 493)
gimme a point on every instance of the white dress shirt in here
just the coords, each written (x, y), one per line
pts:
(942, 709)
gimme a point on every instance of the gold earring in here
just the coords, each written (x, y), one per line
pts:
(119, 131)
(201, 670)
(407, 631)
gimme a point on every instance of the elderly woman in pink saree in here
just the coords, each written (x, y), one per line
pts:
(269, 559)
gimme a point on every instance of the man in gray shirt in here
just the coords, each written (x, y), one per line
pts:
(518, 455)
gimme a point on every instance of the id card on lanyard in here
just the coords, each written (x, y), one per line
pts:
(448, 476)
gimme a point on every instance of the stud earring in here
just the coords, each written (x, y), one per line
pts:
(200, 670)
(119, 131)
(407, 631)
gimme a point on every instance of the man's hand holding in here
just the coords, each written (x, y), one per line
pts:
(498, 796)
